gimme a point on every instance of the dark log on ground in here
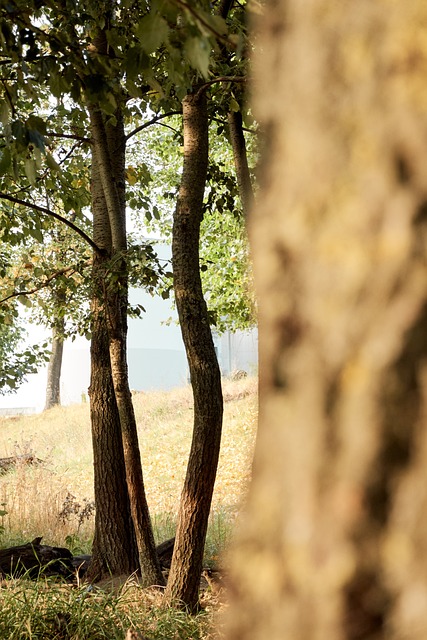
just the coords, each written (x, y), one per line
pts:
(80, 564)
(7, 464)
(164, 553)
(34, 559)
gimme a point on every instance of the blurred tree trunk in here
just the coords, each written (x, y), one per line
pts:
(334, 541)
(196, 497)
(53, 386)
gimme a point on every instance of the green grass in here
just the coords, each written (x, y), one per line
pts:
(53, 500)
(43, 610)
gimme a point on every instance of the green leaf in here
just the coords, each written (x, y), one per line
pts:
(4, 112)
(36, 233)
(217, 24)
(51, 163)
(197, 52)
(20, 133)
(136, 60)
(152, 31)
(36, 123)
(234, 105)
(5, 160)
(31, 170)
(25, 301)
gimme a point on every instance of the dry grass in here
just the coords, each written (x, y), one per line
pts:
(34, 496)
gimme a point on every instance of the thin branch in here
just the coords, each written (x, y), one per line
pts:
(224, 122)
(150, 122)
(233, 79)
(44, 284)
(52, 214)
(167, 126)
(71, 136)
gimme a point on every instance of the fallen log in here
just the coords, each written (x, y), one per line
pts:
(80, 564)
(34, 559)
(164, 553)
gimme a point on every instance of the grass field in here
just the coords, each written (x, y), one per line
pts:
(54, 499)
(35, 497)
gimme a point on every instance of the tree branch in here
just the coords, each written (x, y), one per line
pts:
(234, 79)
(71, 136)
(44, 284)
(238, 145)
(52, 214)
(224, 122)
(152, 121)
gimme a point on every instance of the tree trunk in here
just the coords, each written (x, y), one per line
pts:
(53, 386)
(186, 567)
(334, 544)
(238, 144)
(114, 550)
(109, 156)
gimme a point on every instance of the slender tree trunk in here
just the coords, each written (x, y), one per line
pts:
(184, 577)
(334, 541)
(53, 387)
(109, 152)
(114, 550)
(243, 175)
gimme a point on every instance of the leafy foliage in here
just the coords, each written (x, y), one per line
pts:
(224, 250)
(17, 361)
(51, 71)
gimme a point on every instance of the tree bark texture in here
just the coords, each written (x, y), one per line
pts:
(333, 544)
(114, 550)
(109, 157)
(243, 175)
(184, 577)
(53, 386)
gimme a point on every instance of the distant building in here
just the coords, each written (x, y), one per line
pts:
(156, 358)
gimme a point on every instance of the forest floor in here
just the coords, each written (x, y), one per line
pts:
(54, 499)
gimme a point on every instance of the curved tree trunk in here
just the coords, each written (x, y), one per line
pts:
(109, 155)
(334, 541)
(186, 567)
(114, 550)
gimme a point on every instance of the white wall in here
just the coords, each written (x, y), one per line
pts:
(156, 357)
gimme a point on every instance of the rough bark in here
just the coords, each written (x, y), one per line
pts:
(186, 567)
(114, 550)
(243, 175)
(109, 156)
(333, 543)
